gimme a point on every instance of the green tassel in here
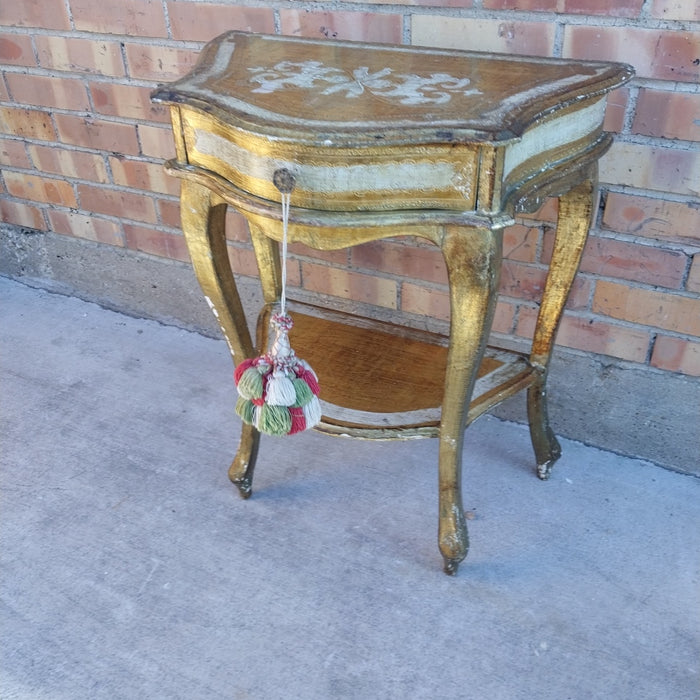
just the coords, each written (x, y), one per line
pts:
(303, 392)
(250, 385)
(245, 409)
(274, 420)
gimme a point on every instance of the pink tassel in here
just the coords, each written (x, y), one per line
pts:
(298, 420)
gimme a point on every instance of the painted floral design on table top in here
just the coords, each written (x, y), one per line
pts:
(407, 89)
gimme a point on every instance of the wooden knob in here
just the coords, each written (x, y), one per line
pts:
(283, 180)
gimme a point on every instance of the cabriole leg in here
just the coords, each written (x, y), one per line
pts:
(575, 211)
(473, 259)
(204, 225)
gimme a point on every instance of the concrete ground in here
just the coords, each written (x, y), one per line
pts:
(131, 569)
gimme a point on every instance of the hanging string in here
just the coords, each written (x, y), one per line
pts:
(286, 197)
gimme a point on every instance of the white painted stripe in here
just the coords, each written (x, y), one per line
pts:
(408, 176)
(552, 134)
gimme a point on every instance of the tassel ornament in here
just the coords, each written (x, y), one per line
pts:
(278, 392)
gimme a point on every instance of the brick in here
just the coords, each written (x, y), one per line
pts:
(360, 26)
(127, 205)
(97, 134)
(608, 257)
(237, 227)
(27, 123)
(425, 301)
(298, 250)
(462, 4)
(202, 21)
(418, 263)
(592, 335)
(671, 312)
(652, 218)
(662, 54)
(45, 14)
(349, 285)
(548, 212)
(82, 55)
(161, 63)
(522, 281)
(652, 168)
(693, 282)
(504, 317)
(169, 213)
(16, 50)
(40, 189)
(243, 263)
(528, 5)
(91, 228)
(143, 175)
(676, 355)
(667, 114)
(44, 91)
(156, 141)
(130, 17)
(491, 35)
(21, 214)
(615, 110)
(620, 8)
(435, 303)
(69, 163)
(580, 294)
(130, 101)
(676, 9)
(153, 242)
(527, 281)
(13, 153)
(520, 243)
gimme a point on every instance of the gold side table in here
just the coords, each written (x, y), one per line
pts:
(390, 141)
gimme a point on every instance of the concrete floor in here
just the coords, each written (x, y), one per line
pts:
(130, 568)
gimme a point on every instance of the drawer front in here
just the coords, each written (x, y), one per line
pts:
(381, 178)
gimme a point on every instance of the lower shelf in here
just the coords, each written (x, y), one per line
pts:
(379, 380)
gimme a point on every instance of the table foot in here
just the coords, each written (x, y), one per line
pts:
(453, 537)
(544, 441)
(451, 566)
(244, 486)
(544, 469)
(241, 470)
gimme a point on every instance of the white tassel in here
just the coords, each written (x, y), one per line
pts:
(256, 417)
(312, 412)
(280, 390)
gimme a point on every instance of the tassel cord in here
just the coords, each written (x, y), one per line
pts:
(286, 196)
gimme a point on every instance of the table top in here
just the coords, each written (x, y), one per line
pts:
(296, 89)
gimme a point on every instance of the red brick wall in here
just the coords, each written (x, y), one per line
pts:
(81, 149)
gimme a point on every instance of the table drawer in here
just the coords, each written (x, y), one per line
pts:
(430, 176)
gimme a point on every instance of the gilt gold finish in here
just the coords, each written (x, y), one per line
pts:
(386, 141)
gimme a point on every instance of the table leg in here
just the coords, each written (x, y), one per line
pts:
(473, 259)
(575, 211)
(203, 217)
